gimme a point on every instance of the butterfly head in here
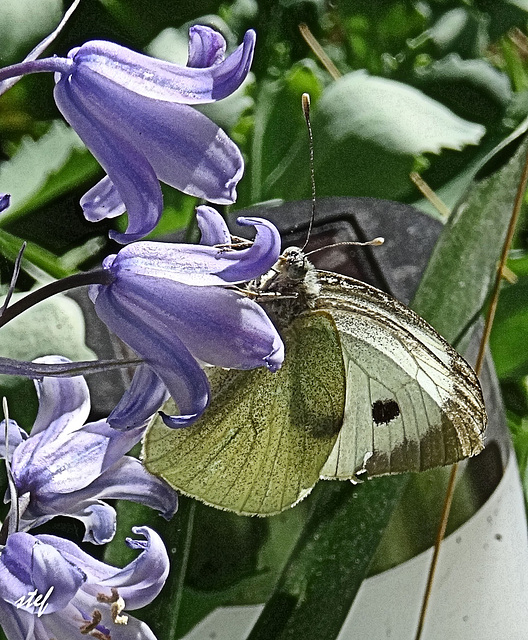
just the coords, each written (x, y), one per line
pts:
(289, 287)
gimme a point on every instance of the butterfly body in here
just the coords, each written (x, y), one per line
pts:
(367, 387)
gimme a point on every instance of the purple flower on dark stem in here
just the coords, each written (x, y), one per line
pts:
(67, 467)
(176, 304)
(49, 588)
(132, 111)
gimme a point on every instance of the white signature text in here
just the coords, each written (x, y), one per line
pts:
(35, 599)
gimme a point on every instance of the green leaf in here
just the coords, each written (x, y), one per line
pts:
(393, 115)
(217, 559)
(464, 261)
(144, 20)
(24, 23)
(462, 30)
(274, 144)
(34, 256)
(473, 88)
(368, 132)
(521, 4)
(509, 337)
(327, 566)
(41, 170)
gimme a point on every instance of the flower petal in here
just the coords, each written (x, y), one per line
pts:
(138, 583)
(200, 265)
(52, 470)
(58, 466)
(27, 564)
(129, 480)
(141, 580)
(99, 521)
(206, 47)
(102, 201)
(154, 340)
(94, 570)
(185, 148)
(127, 168)
(126, 480)
(17, 624)
(133, 630)
(119, 443)
(5, 199)
(142, 399)
(15, 435)
(212, 227)
(64, 403)
(219, 326)
(163, 80)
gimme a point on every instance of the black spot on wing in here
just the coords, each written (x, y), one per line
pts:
(383, 411)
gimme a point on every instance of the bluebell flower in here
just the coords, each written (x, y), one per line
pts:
(67, 467)
(177, 306)
(49, 588)
(132, 111)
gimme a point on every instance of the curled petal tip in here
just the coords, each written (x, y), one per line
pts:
(276, 358)
(206, 47)
(179, 422)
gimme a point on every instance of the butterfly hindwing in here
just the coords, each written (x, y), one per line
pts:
(262, 442)
(412, 402)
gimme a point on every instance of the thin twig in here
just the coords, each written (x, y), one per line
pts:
(319, 51)
(430, 195)
(14, 278)
(490, 316)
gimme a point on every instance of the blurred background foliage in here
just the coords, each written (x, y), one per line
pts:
(431, 86)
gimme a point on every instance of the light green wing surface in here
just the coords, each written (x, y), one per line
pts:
(412, 402)
(260, 446)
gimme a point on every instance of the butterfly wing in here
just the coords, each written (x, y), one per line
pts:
(412, 402)
(263, 440)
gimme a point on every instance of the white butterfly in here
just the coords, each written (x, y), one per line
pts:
(367, 387)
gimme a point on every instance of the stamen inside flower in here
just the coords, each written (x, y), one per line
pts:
(88, 627)
(117, 605)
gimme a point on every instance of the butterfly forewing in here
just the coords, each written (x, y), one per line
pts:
(412, 401)
(262, 442)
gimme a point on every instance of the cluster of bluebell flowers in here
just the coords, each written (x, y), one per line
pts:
(176, 305)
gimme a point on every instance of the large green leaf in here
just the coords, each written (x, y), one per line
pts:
(368, 133)
(464, 262)
(327, 566)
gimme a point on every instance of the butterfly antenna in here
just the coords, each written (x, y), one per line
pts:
(306, 111)
(14, 278)
(376, 242)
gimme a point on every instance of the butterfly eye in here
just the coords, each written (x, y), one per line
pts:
(384, 411)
